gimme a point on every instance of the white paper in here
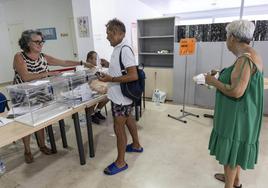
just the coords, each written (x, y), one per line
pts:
(80, 68)
(102, 70)
(82, 92)
(4, 121)
(39, 82)
(68, 74)
(201, 80)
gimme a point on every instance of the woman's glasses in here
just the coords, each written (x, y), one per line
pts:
(39, 42)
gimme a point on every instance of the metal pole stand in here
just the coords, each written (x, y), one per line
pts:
(184, 113)
(208, 116)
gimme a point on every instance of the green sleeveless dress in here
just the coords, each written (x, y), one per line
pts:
(234, 139)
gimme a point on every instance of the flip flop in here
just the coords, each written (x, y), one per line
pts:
(112, 169)
(221, 177)
(129, 148)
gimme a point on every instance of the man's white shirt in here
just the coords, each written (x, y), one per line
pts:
(128, 60)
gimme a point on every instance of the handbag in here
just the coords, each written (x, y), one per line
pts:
(133, 89)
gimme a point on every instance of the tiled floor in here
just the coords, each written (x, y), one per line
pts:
(175, 156)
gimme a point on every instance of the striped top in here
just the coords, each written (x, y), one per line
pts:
(33, 66)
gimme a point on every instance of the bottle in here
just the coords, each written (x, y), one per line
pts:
(157, 97)
(2, 167)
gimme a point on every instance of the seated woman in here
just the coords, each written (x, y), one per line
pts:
(97, 116)
(31, 64)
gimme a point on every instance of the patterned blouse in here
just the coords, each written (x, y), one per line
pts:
(33, 66)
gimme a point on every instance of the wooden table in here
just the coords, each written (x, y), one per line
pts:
(16, 130)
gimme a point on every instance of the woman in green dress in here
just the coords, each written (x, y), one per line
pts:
(239, 106)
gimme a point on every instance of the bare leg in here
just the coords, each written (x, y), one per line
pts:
(41, 137)
(119, 129)
(132, 127)
(102, 103)
(230, 174)
(237, 176)
(26, 141)
(27, 149)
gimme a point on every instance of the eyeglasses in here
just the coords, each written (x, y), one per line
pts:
(39, 42)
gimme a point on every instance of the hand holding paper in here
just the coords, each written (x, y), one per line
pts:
(200, 79)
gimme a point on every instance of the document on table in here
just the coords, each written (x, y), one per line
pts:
(4, 121)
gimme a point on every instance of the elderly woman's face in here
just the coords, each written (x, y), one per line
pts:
(36, 43)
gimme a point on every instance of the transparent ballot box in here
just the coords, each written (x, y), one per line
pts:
(90, 75)
(79, 90)
(36, 102)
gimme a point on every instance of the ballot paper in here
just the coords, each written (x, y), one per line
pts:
(82, 92)
(201, 80)
(102, 70)
(39, 82)
(67, 73)
(4, 121)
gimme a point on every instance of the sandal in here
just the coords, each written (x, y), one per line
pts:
(45, 150)
(221, 178)
(112, 169)
(129, 148)
(28, 157)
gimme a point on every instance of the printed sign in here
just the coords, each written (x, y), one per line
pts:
(187, 46)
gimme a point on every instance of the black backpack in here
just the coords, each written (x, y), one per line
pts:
(134, 89)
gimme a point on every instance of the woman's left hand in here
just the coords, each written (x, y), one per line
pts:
(210, 80)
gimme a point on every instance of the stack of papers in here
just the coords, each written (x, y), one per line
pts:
(201, 80)
(4, 121)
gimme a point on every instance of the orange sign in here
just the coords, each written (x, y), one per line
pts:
(187, 46)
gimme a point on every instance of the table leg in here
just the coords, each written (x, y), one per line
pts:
(37, 141)
(90, 132)
(63, 133)
(79, 139)
(52, 139)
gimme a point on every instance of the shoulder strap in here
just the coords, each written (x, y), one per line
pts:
(123, 70)
(247, 60)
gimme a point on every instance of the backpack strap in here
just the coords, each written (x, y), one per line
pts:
(123, 70)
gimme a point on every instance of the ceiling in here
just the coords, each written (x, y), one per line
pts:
(181, 6)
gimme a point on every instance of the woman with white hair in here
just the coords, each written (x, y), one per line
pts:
(239, 106)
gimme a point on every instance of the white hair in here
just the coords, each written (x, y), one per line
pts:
(241, 29)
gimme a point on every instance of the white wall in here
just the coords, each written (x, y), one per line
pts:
(84, 45)
(62, 14)
(127, 11)
(42, 14)
(33, 14)
(6, 71)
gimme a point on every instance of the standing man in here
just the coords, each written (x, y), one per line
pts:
(121, 105)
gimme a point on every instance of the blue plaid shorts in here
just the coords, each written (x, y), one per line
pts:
(121, 110)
